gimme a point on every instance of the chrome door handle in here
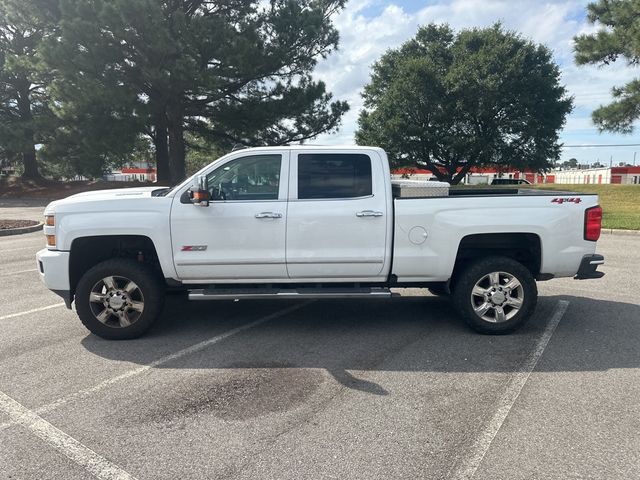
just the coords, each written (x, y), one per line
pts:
(268, 215)
(369, 213)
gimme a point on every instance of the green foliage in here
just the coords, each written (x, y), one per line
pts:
(619, 36)
(200, 153)
(450, 101)
(232, 71)
(89, 149)
(571, 163)
(26, 119)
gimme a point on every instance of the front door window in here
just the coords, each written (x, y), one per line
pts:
(251, 178)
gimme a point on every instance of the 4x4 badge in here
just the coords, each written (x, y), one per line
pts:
(566, 200)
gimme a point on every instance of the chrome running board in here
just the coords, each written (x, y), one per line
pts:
(286, 293)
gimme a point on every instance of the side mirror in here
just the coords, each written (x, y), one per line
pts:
(199, 195)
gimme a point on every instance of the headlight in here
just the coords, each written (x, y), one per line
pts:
(49, 230)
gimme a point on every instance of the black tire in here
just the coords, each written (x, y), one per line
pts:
(470, 305)
(441, 290)
(149, 293)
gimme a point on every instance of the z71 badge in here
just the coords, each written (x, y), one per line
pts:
(194, 248)
(560, 201)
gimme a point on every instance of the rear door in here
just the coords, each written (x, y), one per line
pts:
(337, 219)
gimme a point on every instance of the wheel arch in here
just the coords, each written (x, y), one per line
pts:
(88, 251)
(525, 248)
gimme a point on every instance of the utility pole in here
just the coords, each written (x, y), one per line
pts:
(634, 158)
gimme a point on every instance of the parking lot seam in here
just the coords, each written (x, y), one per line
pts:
(469, 465)
(33, 310)
(77, 452)
(19, 271)
(159, 362)
(4, 250)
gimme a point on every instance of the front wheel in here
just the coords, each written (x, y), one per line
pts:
(495, 295)
(119, 299)
(439, 290)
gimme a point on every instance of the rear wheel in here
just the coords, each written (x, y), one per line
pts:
(495, 295)
(119, 299)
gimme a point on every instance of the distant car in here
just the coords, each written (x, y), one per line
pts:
(509, 181)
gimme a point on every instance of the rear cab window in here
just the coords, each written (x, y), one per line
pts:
(334, 176)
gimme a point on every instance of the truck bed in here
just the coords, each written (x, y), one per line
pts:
(429, 230)
(497, 192)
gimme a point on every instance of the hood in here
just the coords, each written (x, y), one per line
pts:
(115, 194)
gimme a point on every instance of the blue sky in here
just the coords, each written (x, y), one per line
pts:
(369, 27)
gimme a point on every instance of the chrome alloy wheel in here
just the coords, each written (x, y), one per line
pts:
(497, 297)
(116, 301)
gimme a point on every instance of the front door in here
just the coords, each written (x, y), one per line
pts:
(240, 236)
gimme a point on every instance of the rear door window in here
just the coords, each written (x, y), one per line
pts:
(328, 175)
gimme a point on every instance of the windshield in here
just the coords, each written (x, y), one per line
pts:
(162, 191)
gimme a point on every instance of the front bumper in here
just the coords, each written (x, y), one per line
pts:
(588, 267)
(53, 267)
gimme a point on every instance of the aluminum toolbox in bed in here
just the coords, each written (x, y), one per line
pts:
(419, 188)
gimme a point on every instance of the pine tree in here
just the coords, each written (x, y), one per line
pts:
(26, 120)
(232, 71)
(617, 38)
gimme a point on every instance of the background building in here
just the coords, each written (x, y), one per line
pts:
(484, 176)
(140, 172)
(477, 176)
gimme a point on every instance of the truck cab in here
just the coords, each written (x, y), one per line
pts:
(287, 215)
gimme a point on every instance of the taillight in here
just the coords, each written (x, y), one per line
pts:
(592, 223)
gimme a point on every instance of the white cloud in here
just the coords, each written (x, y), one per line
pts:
(365, 37)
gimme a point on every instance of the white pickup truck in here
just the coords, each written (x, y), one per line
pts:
(311, 222)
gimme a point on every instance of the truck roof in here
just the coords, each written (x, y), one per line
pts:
(312, 147)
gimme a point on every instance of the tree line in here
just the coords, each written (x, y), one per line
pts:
(450, 101)
(90, 84)
(86, 84)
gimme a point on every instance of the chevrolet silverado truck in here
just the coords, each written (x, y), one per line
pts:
(312, 222)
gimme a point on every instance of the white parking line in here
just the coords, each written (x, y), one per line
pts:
(19, 271)
(469, 465)
(96, 464)
(156, 363)
(33, 310)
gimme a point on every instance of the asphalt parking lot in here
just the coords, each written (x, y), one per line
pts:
(394, 388)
